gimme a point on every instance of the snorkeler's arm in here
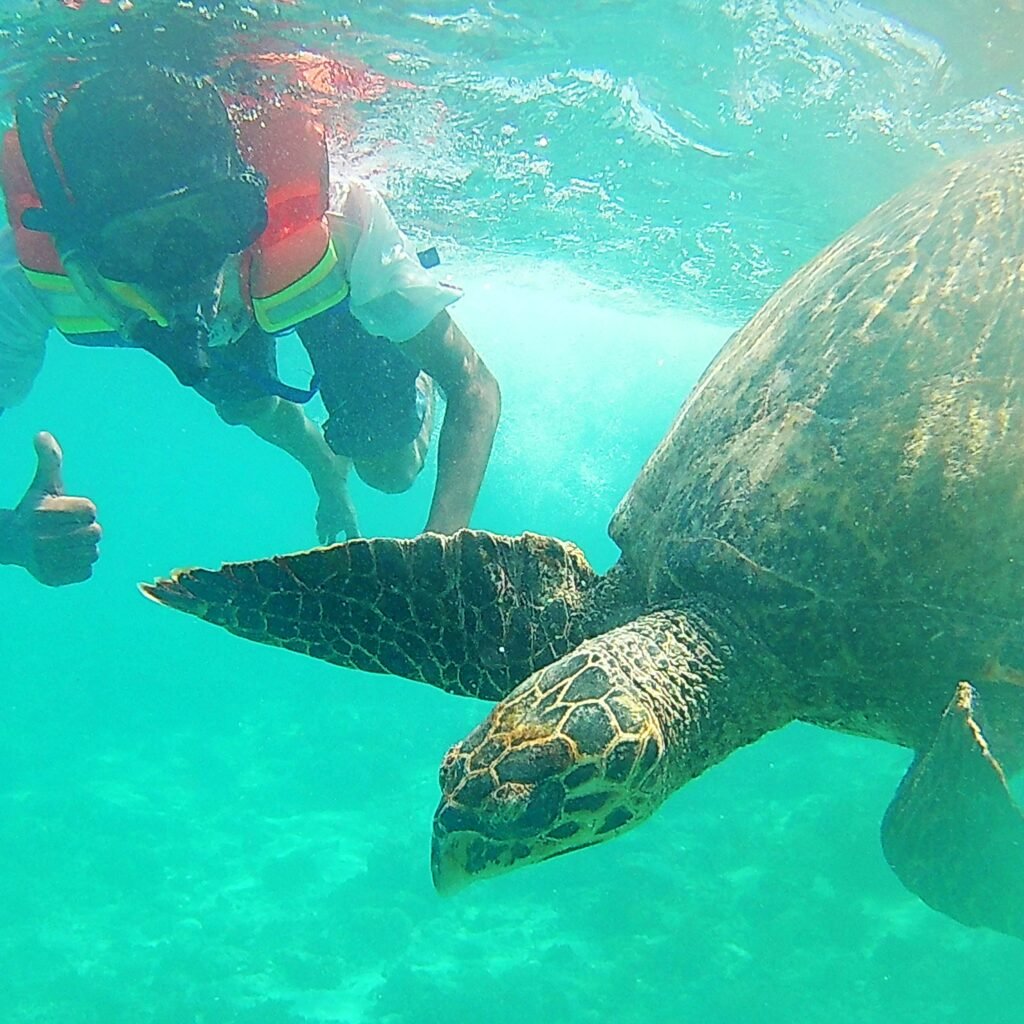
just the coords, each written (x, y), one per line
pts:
(473, 406)
(24, 325)
(53, 536)
(285, 425)
(393, 296)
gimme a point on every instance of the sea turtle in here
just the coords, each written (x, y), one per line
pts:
(832, 531)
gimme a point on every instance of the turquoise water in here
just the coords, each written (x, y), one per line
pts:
(196, 829)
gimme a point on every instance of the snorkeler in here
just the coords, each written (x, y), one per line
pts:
(53, 536)
(151, 210)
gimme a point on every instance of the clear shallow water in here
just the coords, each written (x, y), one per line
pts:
(197, 829)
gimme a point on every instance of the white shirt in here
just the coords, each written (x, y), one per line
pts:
(390, 293)
(24, 324)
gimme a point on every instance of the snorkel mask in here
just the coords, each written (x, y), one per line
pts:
(164, 202)
(184, 235)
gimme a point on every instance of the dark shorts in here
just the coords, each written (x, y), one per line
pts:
(375, 400)
(380, 405)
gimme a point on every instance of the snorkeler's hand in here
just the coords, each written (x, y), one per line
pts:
(53, 536)
(335, 513)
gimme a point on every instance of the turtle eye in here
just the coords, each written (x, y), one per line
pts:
(452, 770)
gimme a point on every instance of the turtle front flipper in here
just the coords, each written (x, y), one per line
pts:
(472, 614)
(953, 834)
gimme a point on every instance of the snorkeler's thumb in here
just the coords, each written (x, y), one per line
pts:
(49, 458)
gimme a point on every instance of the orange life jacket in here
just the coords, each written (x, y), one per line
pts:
(290, 272)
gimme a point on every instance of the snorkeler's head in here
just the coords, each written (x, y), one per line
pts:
(151, 161)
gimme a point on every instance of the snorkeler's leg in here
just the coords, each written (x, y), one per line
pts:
(233, 387)
(286, 426)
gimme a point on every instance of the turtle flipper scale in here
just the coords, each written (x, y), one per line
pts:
(953, 833)
(472, 614)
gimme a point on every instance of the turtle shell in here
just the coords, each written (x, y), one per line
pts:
(861, 440)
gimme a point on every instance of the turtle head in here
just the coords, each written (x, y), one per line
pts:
(567, 760)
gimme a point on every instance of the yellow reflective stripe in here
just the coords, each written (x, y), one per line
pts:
(311, 279)
(70, 313)
(73, 314)
(306, 305)
(329, 300)
(48, 282)
(324, 286)
(128, 296)
(82, 325)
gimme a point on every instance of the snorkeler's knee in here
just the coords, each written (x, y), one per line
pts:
(394, 474)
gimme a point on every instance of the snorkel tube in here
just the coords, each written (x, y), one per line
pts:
(183, 345)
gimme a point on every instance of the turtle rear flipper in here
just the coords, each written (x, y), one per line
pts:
(472, 614)
(954, 834)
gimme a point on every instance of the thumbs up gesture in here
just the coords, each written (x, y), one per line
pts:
(53, 536)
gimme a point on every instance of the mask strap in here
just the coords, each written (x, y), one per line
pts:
(57, 216)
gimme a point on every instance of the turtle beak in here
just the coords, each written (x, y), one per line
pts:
(447, 862)
(463, 852)
(459, 854)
